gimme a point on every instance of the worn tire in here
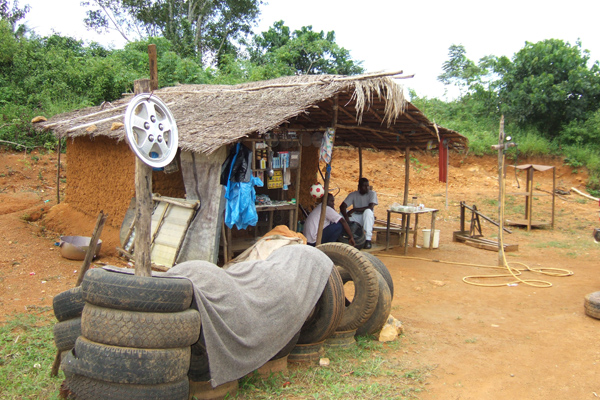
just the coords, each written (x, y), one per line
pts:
(327, 313)
(84, 388)
(66, 333)
(381, 313)
(68, 304)
(364, 277)
(136, 293)
(357, 232)
(127, 364)
(382, 269)
(141, 330)
(592, 305)
(287, 349)
(199, 368)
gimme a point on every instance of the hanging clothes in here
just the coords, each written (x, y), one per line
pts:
(236, 175)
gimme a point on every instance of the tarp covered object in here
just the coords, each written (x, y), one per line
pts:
(253, 309)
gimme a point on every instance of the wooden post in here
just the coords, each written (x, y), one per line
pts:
(58, 174)
(553, 193)
(91, 251)
(406, 173)
(153, 62)
(360, 169)
(143, 202)
(298, 176)
(327, 177)
(501, 192)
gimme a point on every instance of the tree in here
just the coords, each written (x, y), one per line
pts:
(303, 51)
(459, 70)
(201, 28)
(548, 84)
(12, 15)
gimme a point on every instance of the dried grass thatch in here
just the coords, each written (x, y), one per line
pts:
(372, 113)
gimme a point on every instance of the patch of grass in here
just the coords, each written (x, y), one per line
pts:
(471, 340)
(26, 356)
(356, 373)
(553, 244)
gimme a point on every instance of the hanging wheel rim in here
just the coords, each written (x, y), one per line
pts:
(151, 130)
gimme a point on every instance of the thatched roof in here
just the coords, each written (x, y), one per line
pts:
(372, 112)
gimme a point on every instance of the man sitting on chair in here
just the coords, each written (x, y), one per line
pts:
(332, 226)
(362, 201)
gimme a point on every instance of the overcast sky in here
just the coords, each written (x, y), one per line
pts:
(394, 35)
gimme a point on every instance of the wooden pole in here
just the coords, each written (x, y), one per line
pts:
(406, 173)
(360, 169)
(501, 192)
(58, 174)
(143, 202)
(91, 251)
(327, 177)
(153, 66)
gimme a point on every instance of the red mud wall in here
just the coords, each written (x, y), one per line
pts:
(101, 176)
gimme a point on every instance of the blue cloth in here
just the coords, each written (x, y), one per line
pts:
(241, 196)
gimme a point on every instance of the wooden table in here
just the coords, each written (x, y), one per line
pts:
(406, 226)
(279, 207)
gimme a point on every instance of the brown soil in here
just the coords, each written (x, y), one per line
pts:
(471, 342)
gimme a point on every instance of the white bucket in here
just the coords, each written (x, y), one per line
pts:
(427, 236)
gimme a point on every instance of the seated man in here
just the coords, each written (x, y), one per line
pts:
(332, 226)
(362, 201)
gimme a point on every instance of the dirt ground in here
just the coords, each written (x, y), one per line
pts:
(472, 342)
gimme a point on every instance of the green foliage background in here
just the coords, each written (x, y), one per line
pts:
(549, 91)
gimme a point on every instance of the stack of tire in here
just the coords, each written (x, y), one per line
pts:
(371, 303)
(68, 307)
(136, 334)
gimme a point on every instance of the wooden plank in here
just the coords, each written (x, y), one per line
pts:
(481, 243)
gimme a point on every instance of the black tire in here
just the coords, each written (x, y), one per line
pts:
(591, 305)
(327, 313)
(364, 277)
(287, 349)
(68, 304)
(199, 368)
(136, 293)
(141, 330)
(357, 232)
(84, 388)
(382, 269)
(66, 333)
(381, 313)
(127, 364)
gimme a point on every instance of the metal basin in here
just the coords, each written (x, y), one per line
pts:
(75, 247)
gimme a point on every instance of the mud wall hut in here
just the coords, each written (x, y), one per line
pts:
(370, 112)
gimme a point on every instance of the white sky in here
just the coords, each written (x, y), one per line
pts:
(392, 35)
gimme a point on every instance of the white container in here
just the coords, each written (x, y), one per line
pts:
(427, 236)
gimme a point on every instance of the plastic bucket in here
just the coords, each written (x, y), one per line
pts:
(427, 238)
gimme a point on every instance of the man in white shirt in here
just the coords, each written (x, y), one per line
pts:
(362, 201)
(332, 226)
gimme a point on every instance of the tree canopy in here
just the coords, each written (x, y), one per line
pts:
(196, 28)
(303, 51)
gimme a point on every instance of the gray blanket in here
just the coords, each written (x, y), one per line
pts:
(253, 309)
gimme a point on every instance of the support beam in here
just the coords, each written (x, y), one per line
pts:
(327, 177)
(406, 173)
